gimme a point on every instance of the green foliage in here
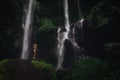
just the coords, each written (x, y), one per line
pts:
(42, 18)
(97, 20)
(46, 26)
(40, 10)
(112, 53)
(43, 21)
(88, 69)
(4, 62)
(97, 17)
(45, 69)
(42, 65)
(101, 13)
(109, 46)
(3, 70)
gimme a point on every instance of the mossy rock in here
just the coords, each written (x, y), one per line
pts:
(46, 70)
(3, 70)
(26, 70)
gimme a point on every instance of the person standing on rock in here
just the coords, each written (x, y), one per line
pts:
(34, 50)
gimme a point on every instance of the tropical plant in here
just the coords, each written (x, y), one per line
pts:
(88, 69)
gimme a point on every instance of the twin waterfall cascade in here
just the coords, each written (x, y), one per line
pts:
(66, 34)
(26, 25)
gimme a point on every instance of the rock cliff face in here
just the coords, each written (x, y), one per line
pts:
(21, 70)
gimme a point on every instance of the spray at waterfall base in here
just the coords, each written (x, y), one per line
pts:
(67, 49)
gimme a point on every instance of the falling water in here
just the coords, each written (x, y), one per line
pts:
(66, 34)
(26, 25)
(62, 36)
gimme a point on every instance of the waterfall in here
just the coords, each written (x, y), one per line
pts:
(66, 33)
(62, 36)
(26, 25)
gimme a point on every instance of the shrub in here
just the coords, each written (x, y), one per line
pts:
(88, 69)
(4, 62)
(3, 70)
(46, 71)
(47, 25)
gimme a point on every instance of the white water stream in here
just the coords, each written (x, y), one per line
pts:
(26, 25)
(66, 34)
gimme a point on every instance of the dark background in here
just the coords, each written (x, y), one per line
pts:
(101, 28)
